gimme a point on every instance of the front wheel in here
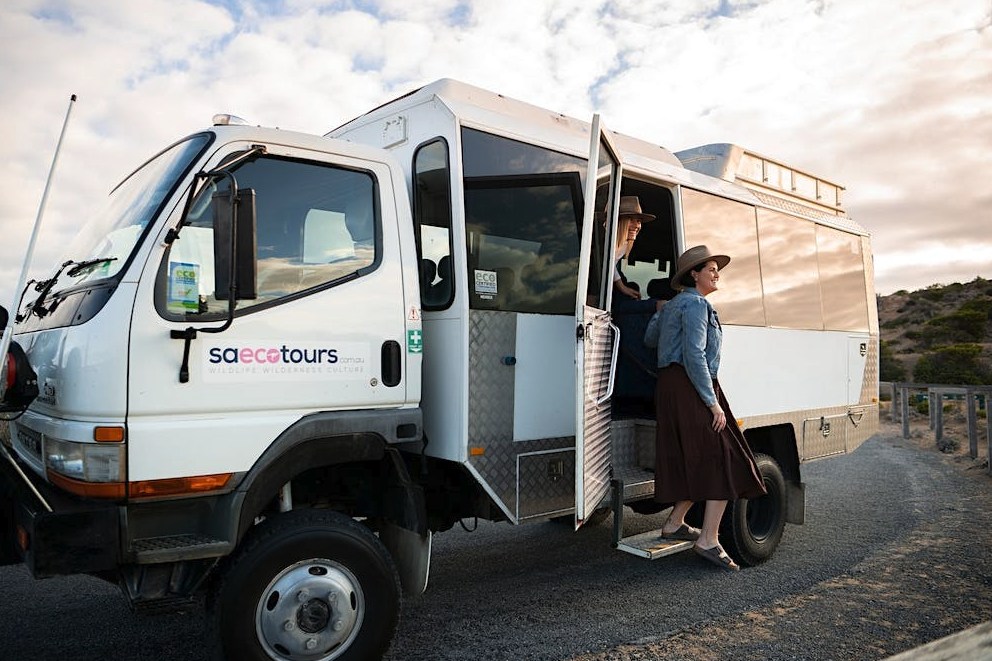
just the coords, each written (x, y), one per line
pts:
(308, 585)
(752, 528)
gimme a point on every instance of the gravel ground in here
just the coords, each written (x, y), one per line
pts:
(895, 553)
(933, 581)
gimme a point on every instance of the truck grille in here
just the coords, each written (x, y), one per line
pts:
(28, 440)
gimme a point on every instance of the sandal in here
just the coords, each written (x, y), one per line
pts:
(684, 532)
(717, 556)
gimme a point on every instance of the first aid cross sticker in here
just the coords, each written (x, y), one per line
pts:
(414, 341)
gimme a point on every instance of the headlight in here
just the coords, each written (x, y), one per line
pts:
(87, 462)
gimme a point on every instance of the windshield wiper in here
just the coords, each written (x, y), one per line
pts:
(43, 287)
(88, 264)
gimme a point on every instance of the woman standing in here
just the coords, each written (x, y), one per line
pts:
(699, 456)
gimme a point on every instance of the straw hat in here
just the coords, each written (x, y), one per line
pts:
(692, 258)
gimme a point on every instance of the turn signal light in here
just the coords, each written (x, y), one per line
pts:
(177, 486)
(108, 434)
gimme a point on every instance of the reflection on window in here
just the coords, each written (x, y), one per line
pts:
(789, 271)
(523, 211)
(315, 224)
(842, 280)
(728, 228)
(432, 218)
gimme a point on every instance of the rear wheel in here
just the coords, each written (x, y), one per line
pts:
(752, 528)
(309, 585)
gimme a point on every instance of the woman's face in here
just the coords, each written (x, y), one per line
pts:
(633, 228)
(708, 278)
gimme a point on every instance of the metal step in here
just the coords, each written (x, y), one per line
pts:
(173, 548)
(652, 545)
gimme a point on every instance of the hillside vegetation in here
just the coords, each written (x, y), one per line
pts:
(941, 334)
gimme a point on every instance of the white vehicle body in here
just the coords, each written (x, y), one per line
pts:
(272, 335)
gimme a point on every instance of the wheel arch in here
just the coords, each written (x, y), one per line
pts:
(322, 443)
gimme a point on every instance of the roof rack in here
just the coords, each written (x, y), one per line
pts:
(765, 175)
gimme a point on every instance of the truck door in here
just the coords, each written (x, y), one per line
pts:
(328, 316)
(596, 337)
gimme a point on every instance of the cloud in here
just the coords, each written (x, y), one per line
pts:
(891, 98)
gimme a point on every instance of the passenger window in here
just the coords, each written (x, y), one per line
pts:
(523, 215)
(432, 222)
(842, 280)
(729, 228)
(316, 225)
(789, 271)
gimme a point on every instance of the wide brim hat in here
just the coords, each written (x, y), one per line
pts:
(630, 207)
(692, 258)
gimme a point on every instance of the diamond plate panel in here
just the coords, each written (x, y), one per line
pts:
(546, 482)
(595, 460)
(492, 335)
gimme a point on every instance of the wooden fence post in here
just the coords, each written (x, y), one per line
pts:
(930, 406)
(988, 432)
(938, 427)
(904, 398)
(895, 412)
(972, 424)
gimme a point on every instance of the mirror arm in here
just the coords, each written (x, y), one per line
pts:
(189, 334)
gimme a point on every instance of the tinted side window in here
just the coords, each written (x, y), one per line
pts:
(842, 280)
(728, 227)
(789, 271)
(432, 220)
(523, 212)
(316, 225)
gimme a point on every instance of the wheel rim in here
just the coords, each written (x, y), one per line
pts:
(310, 611)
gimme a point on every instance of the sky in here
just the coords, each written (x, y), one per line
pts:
(890, 98)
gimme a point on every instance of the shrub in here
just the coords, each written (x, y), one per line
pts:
(889, 369)
(959, 363)
(923, 406)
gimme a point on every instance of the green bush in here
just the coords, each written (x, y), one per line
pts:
(889, 369)
(923, 406)
(959, 363)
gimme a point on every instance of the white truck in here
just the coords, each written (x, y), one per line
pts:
(277, 363)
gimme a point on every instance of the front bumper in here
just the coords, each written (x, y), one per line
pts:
(76, 537)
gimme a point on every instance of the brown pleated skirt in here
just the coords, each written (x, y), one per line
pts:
(693, 462)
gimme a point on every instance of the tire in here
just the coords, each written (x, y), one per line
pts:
(308, 585)
(752, 528)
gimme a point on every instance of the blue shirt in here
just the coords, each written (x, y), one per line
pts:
(687, 331)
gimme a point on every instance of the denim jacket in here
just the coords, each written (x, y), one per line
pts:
(687, 331)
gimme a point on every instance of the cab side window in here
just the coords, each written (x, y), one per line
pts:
(316, 226)
(432, 221)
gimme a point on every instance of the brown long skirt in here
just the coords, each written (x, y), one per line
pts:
(693, 462)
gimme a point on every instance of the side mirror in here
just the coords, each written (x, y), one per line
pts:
(4, 318)
(235, 245)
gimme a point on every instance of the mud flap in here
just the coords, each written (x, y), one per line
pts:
(795, 503)
(412, 554)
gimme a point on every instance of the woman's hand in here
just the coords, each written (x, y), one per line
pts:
(629, 291)
(719, 418)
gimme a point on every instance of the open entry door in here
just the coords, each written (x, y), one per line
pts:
(597, 339)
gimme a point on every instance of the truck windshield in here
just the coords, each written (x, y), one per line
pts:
(104, 245)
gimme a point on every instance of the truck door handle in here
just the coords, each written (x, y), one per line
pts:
(392, 366)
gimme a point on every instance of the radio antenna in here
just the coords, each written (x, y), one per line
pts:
(8, 329)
